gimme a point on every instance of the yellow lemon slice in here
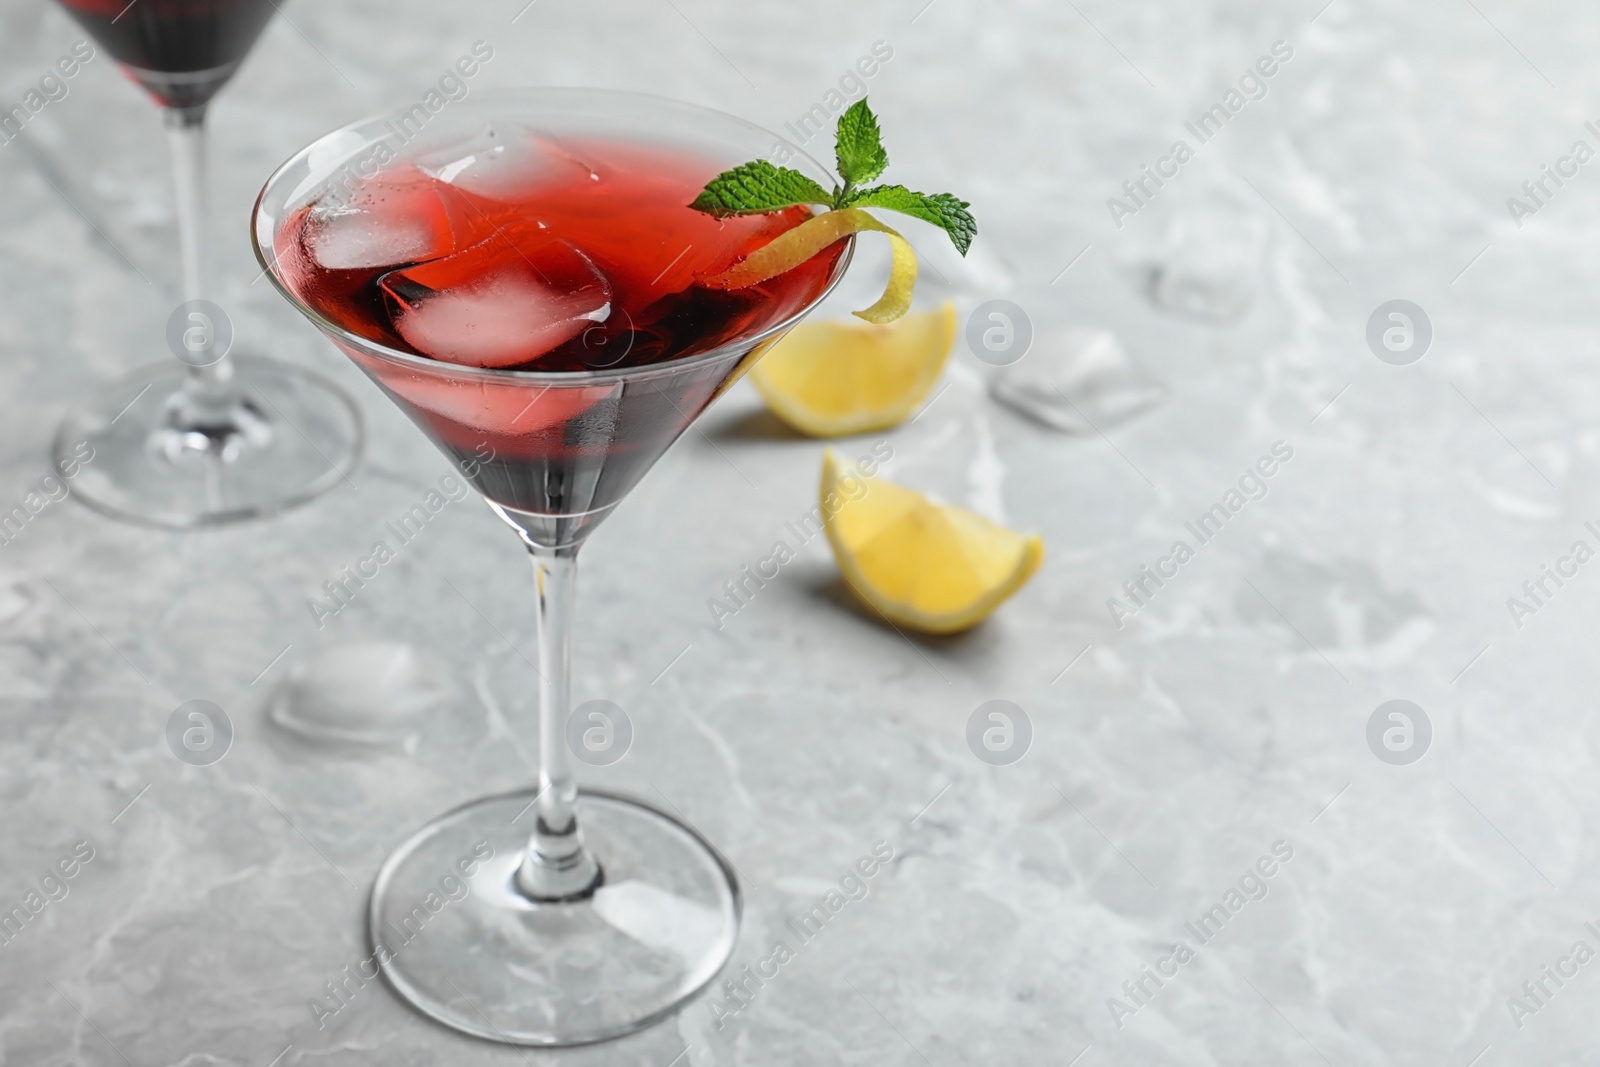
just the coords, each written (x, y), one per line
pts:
(930, 567)
(833, 379)
(793, 247)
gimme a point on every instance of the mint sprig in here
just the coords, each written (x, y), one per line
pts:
(759, 187)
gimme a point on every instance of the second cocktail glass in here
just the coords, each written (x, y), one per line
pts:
(543, 229)
(208, 437)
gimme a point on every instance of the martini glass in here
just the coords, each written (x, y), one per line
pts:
(591, 914)
(206, 437)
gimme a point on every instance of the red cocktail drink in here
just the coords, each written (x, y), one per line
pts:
(513, 250)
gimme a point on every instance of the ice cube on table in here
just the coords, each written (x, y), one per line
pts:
(1526, 482)
(504, 162)
(362, 694)
(504, 301)
(397, 217)
(1211, 266)
(1078, 381)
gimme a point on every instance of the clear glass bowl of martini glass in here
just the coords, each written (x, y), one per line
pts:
(520, 274)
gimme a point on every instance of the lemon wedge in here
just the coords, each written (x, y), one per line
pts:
(930, 567)
(833, 379)
(793, 247)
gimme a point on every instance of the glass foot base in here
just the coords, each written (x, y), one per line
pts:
(495, 964)
(288, 436)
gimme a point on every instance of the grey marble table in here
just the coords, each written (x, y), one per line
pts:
(1414, 914)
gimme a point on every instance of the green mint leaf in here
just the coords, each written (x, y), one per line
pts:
(757, 188)
(859, 147)
(760, 188)
(941, 209)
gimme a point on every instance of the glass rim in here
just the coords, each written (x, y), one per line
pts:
(741, 347)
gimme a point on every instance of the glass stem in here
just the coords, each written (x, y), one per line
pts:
(186, 138)
(556, 866)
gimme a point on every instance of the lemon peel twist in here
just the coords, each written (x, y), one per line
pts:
(793, 247)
